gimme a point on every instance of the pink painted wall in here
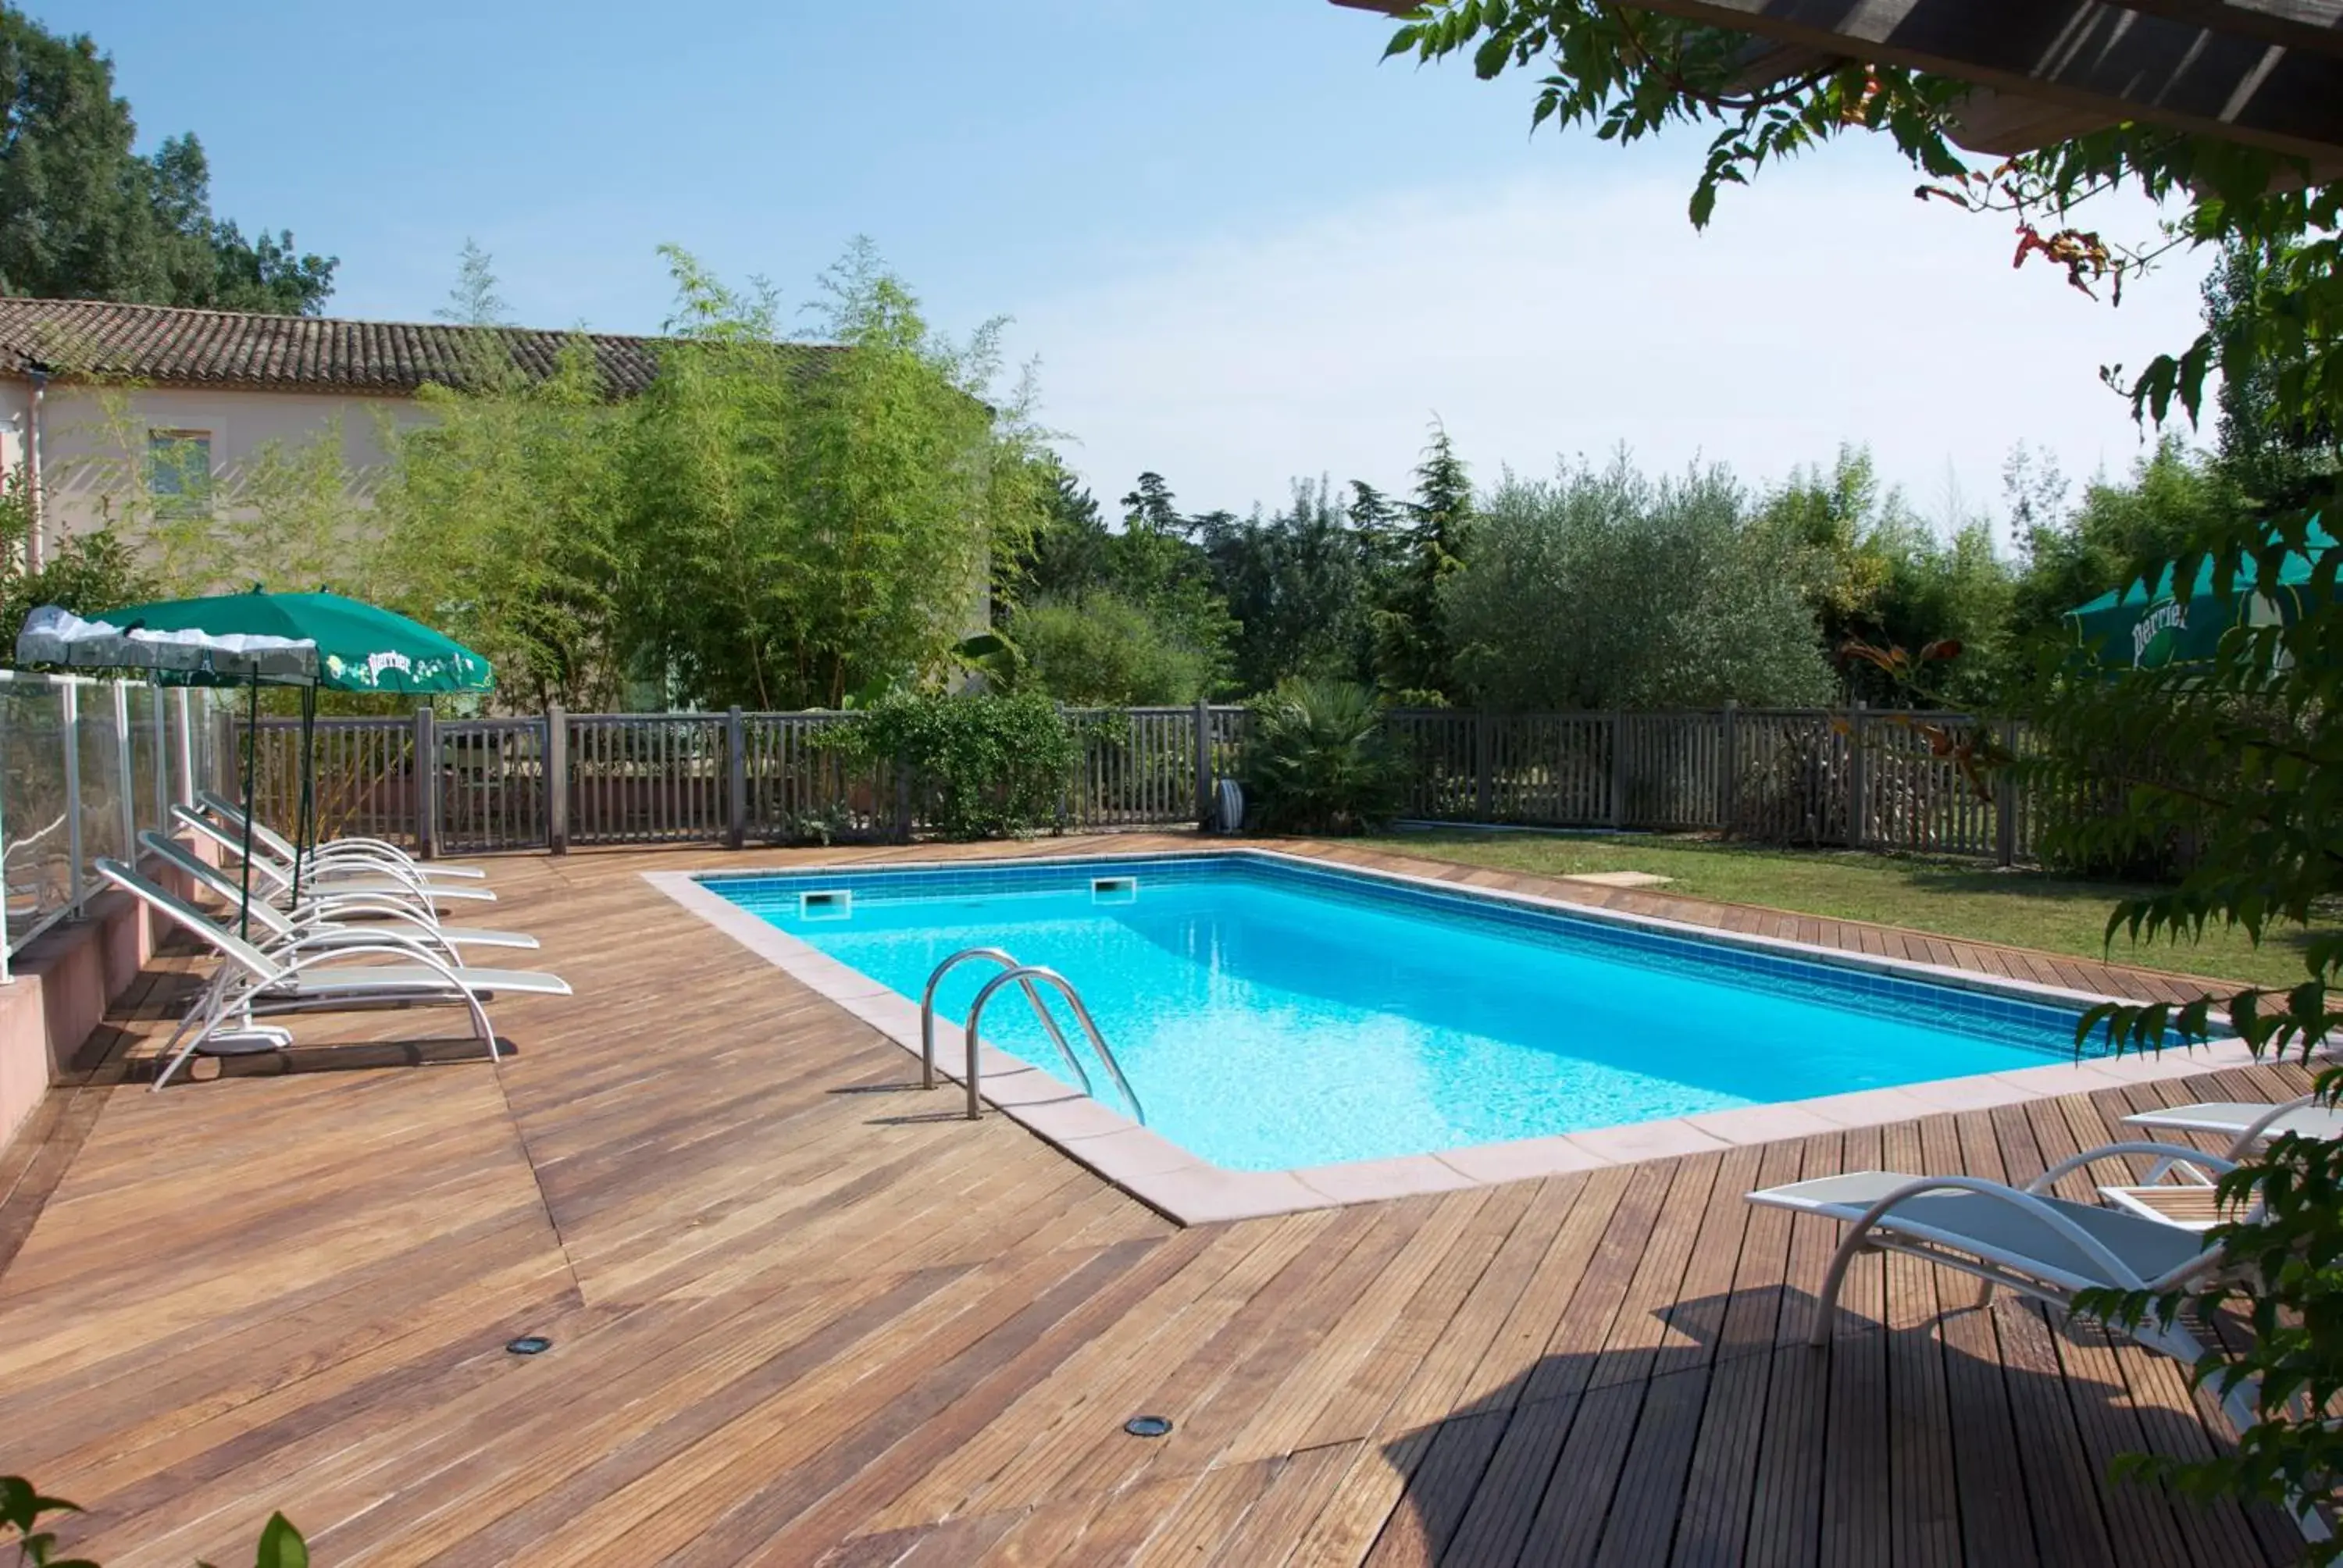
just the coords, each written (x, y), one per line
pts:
(57, 998)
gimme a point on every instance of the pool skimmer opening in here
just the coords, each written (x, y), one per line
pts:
(827, 904)
(1148, 1426)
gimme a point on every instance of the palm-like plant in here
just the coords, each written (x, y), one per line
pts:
(1319, 761)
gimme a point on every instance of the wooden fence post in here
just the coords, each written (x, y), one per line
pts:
(1618, 770)
(1728, 788)
(557, 780)
(1204, 763)
(426, 782)
(1858, 780)
(2004, 799)
(736, 778)
(1484, 784)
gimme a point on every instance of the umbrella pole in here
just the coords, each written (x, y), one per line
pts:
(251, 744)
(305, 830)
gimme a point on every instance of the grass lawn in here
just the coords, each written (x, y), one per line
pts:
(1948, 898)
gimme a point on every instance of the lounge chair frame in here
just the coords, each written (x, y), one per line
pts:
(355, 845)
(252, 982)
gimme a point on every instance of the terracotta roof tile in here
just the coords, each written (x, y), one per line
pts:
(233, 348)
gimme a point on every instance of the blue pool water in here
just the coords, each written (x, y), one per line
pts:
(1272, 1014)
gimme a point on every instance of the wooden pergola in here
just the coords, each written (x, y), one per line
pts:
(2265, 72)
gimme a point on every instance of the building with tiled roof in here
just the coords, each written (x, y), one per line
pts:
(98, 397)
(166, 345)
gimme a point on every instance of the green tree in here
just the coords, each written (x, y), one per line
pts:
(1604, 590)
(84, 572)
(1295, 584)
(1101, 650)
(1832, 529)
(1414, 655)
(1071, 550)
(474, 300)
(208, 262)
(1380, 525)
(809, 521)
(1155, 562)
(1876, 573)
(502, 520)
(84, 216)
(2273, 461)
(2171, 496)
(1154, 558)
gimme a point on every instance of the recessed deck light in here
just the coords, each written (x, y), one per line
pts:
(530, 1345)
(1148, 1425)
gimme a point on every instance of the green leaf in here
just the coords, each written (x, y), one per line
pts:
(22, 1506)
(281, 1545)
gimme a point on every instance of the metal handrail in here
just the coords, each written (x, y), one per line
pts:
(1026, 974)
(1032, 997)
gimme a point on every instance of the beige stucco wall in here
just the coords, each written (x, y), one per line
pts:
(15, 399)
(94, 440)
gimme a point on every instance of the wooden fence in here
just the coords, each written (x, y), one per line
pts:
(557, 780)
(1860, 779)
(1864, 778)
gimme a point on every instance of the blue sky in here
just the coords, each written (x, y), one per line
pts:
(1241, 250)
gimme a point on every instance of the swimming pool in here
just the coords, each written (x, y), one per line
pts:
(1272, 1012)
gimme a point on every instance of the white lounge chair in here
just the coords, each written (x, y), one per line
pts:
(306, 974)
(2026, 1239)
(349, 917)
(275, 878)
(378, 849)
(2029, 1240)
(2188, 1198)
(2244, 1123)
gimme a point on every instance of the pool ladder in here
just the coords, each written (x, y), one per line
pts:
(1028, 979)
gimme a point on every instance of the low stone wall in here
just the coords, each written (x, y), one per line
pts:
(60, 988)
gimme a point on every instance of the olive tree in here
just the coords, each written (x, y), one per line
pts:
(1604, 589)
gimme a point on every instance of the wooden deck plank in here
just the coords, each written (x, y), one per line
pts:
(1857, 1523)
(2061, 1484)
(1924, 1515)
(1713, 1522)
(1410, 1341)
(1989, 1482)
(1786, 1516)
(801, 1318)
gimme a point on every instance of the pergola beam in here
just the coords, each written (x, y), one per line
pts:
(2316, 25)
(2267, 72)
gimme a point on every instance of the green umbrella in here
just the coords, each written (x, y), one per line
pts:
(276, 638)
(302, 639)
(2145, 628)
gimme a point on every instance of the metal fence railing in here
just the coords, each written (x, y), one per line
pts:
(84, 767)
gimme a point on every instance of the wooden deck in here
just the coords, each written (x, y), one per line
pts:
(803, 1315)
